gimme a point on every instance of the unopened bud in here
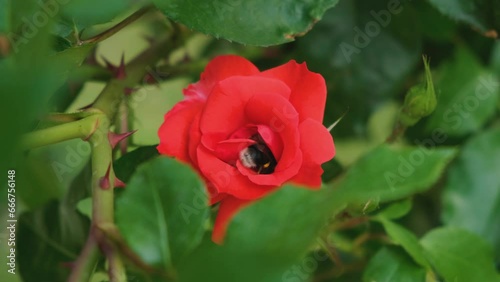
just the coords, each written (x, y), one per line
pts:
(420, 101)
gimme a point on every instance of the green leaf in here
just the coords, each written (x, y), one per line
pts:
(460, 256)
(162, 211)
(403, 237)
(85, 207)
(51, 236)
(434, 25)
(69, 91)
(47, 239)
(267, 240)
(468, 94)
(391, 264)
(31, 74)
(332, 169)
(4, 16)
(388, 173)
(365, 50)
(37, 182)
(472, 196)
(397, 209)
(257, 22)
(480, 14)
(83, 13)
(126, 165)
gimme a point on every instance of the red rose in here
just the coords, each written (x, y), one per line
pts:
(247, 132)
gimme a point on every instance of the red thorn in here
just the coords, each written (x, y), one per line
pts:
(109, 65)
(115, 138)
(104, 181)
(129, 90)
(119, 183)
(149, 78)
(118, 71)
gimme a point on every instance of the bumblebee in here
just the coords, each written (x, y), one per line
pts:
(259, 158)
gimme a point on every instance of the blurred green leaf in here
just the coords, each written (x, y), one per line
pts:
(332, 169)
(397, 209)
(390, 264)
(388, 173)
(433, 24)
(467, 95)
(403, 237)
(47, 239)
(52, 236)
(37, 183)
(126, 165)
(365, 50)
(472, 195)
(257, 22)
(495, 58)
(84, 206)
(162, 211)
(460, 256)
(69, 91)
(30, 75)
(266, 240)
(480, 14)
(86, 13)
(4, 16)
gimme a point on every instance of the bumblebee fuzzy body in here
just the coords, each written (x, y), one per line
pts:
(259, 158)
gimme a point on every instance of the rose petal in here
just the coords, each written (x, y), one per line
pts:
(308, 88)
(272, 140)
(218, 69)
(194, 139)
(279, 115)
(173, 132)
(229, 150)
(244, 133)
(213, 194)
(277, 178)
(224, 111)
(316, 142)
(227, 210)
(227, 179)
(310, 176)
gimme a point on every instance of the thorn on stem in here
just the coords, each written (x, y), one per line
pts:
(129, 90)
(118, 71)
(115, 138)
(119, 183)
(104, 181)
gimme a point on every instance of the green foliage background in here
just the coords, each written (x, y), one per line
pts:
(423, 208)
